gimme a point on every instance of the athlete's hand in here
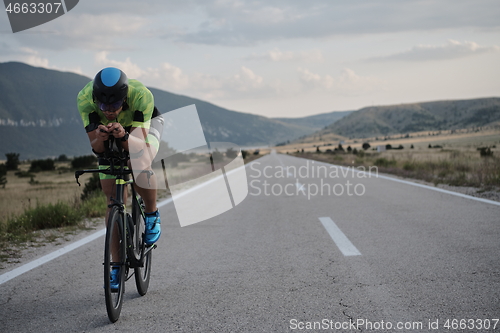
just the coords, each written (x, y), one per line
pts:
(102, 133)
(116, 129)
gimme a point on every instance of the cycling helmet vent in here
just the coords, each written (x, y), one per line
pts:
(110, 76)
(110, 86)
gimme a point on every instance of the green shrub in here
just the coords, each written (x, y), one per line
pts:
(91, 186)
(12, 161)
(61, 214)
(231, 153)
(81, 162)
(44, 217)
(485, 152)
(94, 205)
(384, 162)
(42, 165)
(409, 166)
(3, 175)
(24, 174)
(217, 156)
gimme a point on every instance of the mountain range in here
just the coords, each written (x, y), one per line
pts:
(39, 118)
(406, 118)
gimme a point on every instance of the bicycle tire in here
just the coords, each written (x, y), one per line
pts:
(114, 234)
(142, 274)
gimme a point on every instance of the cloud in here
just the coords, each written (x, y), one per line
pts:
(243, 23)
(244, 83)
(277, 55)
(348, 83)
(451, 50)
(31, 57)
(34, 58)
(104, 31)
(24, 54)
(98, 7)
(132, 70)
(312, 80)
(104, 25)
(166, 76)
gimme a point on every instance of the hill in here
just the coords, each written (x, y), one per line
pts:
(316, 122)
(429, 116)
(38, 115)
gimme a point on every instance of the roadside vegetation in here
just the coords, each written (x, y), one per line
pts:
(470, 166)
(40, 201)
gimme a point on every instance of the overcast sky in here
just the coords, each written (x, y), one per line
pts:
(278, 58)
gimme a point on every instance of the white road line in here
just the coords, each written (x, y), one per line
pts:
(51, 256)
(300, 187)
(45, 259)
(491, 202)
(343, 243)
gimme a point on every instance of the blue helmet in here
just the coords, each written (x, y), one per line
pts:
(110, 86)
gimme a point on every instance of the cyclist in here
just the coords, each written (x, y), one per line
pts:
(112, 105)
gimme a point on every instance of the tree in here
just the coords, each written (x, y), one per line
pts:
(82, 162)
(485, 152)
(42, 165)
(91, 186)
(12, 161)
(366, 146)
(3, 175)
(217, 156)
(231, 153)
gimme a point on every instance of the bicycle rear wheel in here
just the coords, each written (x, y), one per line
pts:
(114, 256)
(142, 274)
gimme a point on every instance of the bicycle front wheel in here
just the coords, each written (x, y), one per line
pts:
(114, 265)
(142, 274)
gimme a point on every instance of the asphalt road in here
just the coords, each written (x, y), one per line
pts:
(422, 258)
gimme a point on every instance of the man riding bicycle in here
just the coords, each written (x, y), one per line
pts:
(112, 105)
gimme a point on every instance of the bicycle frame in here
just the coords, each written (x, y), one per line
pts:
(133, 251)
(120, 171)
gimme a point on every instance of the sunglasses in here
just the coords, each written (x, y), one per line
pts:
(113, 107)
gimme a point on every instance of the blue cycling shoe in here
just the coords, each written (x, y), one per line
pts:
(115, 279)
(153, 228)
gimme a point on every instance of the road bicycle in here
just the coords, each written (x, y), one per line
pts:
(124, 248)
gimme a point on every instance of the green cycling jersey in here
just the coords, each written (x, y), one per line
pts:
(137, 109)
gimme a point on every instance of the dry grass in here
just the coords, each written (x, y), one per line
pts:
(49, 187)
(462, 140)
(440, 166)
(457, 163)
